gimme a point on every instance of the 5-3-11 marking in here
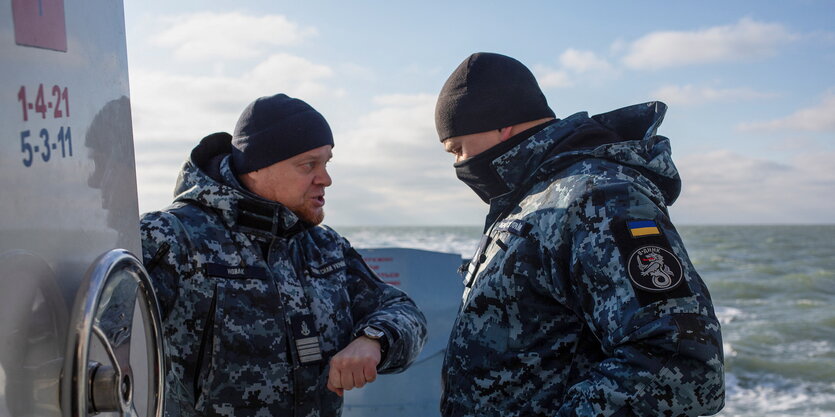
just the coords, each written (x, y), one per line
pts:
(45, 148)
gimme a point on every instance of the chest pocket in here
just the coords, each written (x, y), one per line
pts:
(327, 278)
(243, 353)
(529, 304)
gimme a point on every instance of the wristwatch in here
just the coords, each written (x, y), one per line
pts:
(372, 332)
(375, 333)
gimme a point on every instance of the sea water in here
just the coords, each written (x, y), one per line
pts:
(773, 288)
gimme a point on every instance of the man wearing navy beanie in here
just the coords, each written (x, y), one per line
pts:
(273, 130)
(265, 311)
(580, 299)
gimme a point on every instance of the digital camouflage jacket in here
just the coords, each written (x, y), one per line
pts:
(255, 303)
(581, 299)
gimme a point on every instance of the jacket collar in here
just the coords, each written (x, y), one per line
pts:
(207, 179)
(256, 215)
(519, 166)
(627, 136)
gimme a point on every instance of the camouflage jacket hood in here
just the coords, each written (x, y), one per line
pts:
(207, 179)
(631, 140)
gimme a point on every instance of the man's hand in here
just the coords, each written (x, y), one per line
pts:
(354, 366)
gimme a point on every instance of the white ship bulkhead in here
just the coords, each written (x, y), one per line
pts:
(67, 197)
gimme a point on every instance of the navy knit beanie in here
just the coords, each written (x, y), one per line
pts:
(488, 91)
(272, 129)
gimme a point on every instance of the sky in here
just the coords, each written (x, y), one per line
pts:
(749, 84)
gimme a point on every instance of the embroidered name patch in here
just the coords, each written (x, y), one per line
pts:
(327, 269)
(654, 269)
(238, 272)
(516, 227)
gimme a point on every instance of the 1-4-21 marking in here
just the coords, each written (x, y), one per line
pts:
(44, 144)
(55, 104)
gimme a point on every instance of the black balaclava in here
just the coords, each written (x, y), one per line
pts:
(488, 91)
(478, 171)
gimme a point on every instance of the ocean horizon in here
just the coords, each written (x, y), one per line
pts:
(773, 288)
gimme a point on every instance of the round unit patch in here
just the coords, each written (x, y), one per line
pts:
(654, 269)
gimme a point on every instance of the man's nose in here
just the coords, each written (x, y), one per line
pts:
(323, 178)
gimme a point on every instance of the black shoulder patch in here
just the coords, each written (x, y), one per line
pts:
(654, 269)
(655, 272)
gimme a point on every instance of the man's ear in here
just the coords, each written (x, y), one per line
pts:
(506, 133)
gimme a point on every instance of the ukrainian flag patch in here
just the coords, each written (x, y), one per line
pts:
(641, 228)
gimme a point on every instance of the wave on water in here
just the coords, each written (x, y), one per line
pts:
(456, 239)
(772, 395)
(773, 289)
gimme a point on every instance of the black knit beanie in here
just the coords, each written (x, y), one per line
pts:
(488, 91)
(272, 129)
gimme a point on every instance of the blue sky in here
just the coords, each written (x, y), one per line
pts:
(750, 87)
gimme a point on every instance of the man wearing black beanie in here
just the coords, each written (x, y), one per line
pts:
(580, 299)
(265, 311)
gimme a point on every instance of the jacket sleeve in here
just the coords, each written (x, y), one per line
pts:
(661, 345)
(375, 303)
(164, 257)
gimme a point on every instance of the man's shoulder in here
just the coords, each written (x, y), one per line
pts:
(324, 236)
(579, 181)
(562, 199)
(183, 211)
(177, 219)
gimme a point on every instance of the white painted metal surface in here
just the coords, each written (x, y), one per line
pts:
(68, 195)
(67, 180)
(431, 280)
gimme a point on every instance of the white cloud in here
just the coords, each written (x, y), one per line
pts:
(583, 61)
(171, 112)
(391, 167)
(208, 35)
(574, 65)
(401, 124)
(388, 166)
(818, 118)
(551, 78)
(172, 106)
(293, 75)
(747, 39)
(725, 187)
(690, 94)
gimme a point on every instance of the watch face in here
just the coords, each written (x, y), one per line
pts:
(373, 333)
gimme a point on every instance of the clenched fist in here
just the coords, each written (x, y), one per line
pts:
(354, 366)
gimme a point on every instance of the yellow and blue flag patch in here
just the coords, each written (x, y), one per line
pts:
(641, 228)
